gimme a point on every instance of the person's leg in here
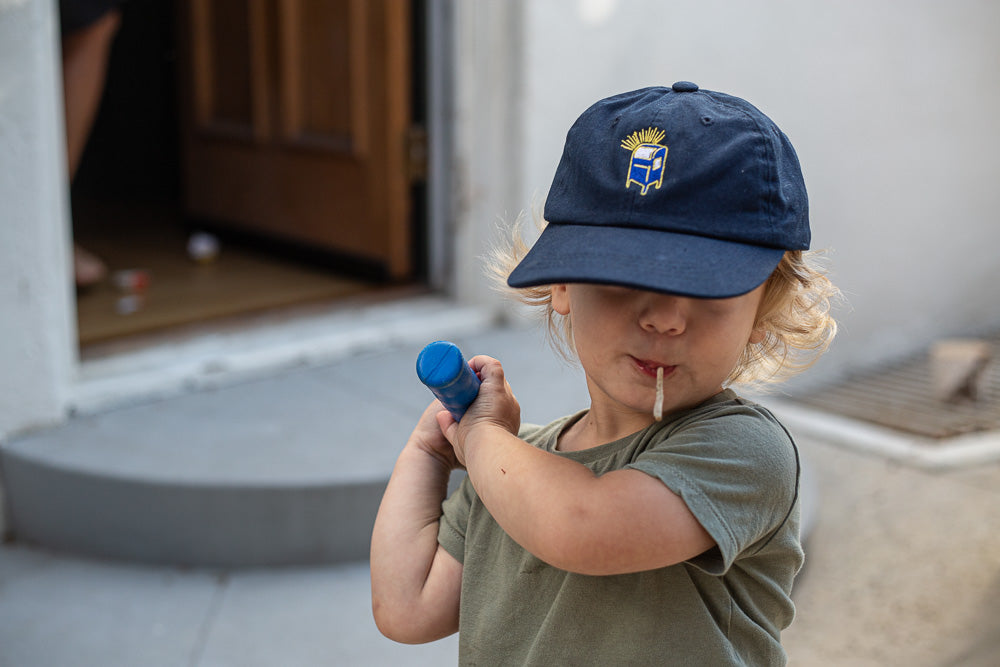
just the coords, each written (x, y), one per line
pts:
(85, 64)
(85, 55)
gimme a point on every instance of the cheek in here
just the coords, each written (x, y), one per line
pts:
(725, 341)
(745, 334)
(745, 322)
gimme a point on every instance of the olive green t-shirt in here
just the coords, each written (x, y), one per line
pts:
(737, 469)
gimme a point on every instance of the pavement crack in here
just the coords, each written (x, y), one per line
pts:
(211, 614)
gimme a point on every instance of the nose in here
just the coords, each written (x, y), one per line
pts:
(663, 313)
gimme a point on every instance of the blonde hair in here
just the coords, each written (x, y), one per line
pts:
(794, 313)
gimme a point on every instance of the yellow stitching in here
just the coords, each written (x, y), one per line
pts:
(650, 171)
(651, 135)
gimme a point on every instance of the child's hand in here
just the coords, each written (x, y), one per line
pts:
(428, 438)
(494, 406)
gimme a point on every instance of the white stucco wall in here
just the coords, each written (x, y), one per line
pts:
(37, 331)
(487, 124)
(891, 106)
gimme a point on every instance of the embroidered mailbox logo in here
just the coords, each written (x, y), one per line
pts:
(645, 168)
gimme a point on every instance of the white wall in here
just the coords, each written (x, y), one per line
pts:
(487, 126)
(37, 332)
(891, 106)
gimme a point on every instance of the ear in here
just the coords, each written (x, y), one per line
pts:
(560, 299)
(757, 336)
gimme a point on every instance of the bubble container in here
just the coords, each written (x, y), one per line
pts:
(446, 373)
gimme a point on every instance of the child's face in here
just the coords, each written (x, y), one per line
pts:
(623, 335)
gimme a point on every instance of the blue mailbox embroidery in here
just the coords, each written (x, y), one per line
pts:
(645, 167)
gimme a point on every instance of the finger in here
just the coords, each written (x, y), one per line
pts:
(480, 361)
(488, 369)
(434, 407)
(448, 425)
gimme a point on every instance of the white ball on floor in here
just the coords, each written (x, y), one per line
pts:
(203, 247)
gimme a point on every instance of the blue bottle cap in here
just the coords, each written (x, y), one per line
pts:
(439, 364)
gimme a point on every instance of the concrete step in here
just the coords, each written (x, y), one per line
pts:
(288, 469)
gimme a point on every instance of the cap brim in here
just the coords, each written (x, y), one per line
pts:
(648, 259)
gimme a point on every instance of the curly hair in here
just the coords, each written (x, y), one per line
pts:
(794, 313)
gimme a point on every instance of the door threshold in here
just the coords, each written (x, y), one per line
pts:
(116, 375)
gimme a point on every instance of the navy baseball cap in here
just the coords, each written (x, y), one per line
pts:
(678, 190)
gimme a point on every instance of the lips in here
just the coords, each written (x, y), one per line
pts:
(649, 366)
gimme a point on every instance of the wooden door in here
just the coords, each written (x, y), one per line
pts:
(295, 121)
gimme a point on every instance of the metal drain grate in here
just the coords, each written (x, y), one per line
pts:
(901, 397)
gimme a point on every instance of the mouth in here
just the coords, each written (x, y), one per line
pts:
(649, 366)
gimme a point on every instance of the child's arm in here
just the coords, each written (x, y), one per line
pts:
(416, 584)
(557, 509)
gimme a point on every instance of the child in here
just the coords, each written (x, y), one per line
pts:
(660, 526)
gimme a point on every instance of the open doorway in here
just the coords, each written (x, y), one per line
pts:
(208, 106)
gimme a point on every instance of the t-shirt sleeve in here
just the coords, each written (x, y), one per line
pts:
(455, 510)
(455, 518)
(737, 471)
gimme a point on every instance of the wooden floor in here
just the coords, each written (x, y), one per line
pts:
(240, 281)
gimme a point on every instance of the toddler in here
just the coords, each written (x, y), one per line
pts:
(661, 524)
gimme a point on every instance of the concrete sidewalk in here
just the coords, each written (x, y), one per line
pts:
(903, 567)
(58, 610)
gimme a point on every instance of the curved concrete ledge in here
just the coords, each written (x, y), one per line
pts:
(284, 470)
(287, 469)
(188, 524)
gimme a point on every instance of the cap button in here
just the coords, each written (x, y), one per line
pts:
(685, 87)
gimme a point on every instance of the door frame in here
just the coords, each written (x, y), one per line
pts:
(476, 96)
(439, 88)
